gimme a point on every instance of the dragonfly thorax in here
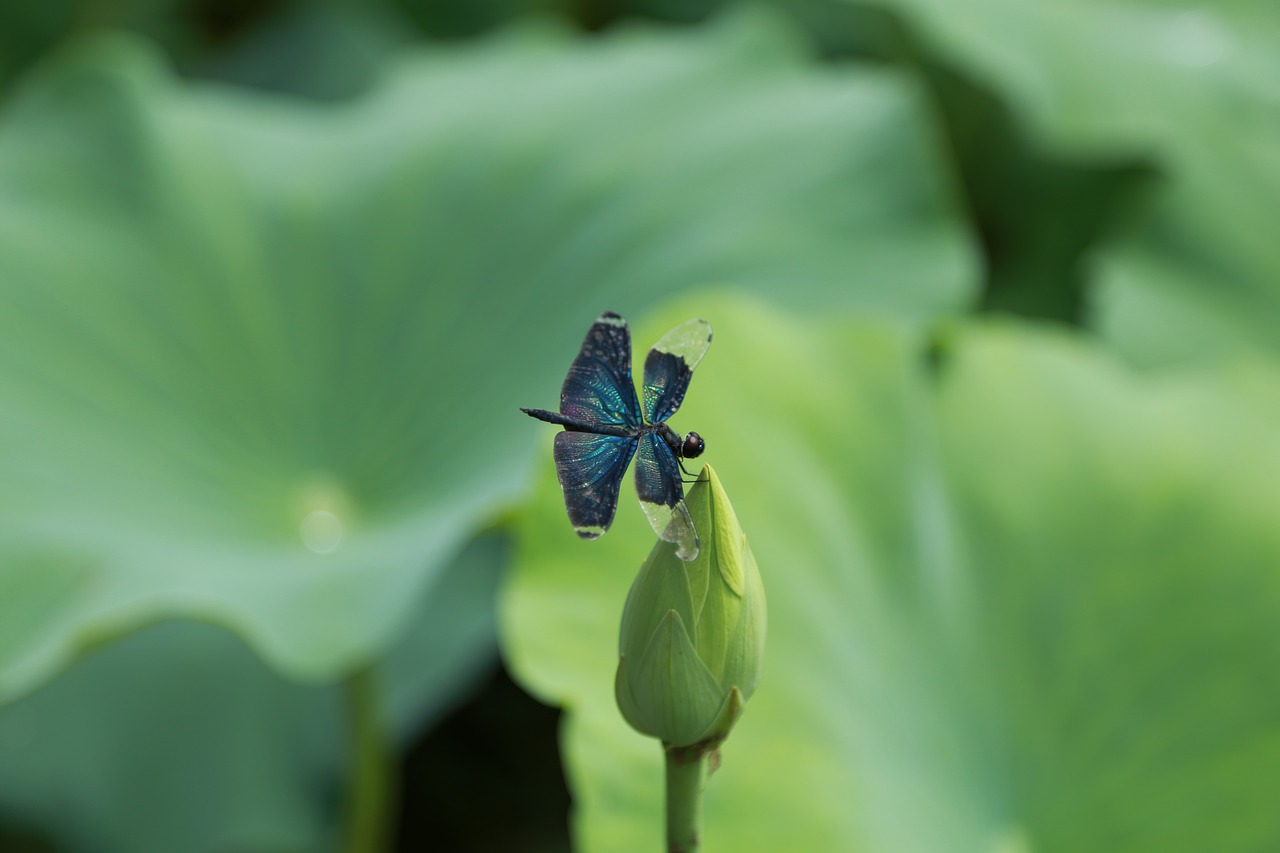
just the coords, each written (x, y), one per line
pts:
(689, 447)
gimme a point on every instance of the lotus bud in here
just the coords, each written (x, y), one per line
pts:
(692, 639)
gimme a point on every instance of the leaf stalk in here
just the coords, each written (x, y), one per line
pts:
(370, 776)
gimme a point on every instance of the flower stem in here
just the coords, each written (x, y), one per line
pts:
(686, 772)
(370, 775)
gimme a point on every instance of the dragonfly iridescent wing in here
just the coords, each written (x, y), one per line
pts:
(590, 468)
(669, 367)
(598, 392)
(661, 494)
(598, 389)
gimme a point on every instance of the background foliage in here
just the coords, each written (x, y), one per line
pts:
(993, 390)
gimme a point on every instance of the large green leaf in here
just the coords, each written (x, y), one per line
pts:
(1027, 603)
(26, 29)
(175, 738)
(260, 360)
(178, 737)
(1191, 88)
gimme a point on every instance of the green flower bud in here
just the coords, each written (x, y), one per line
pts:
(692, 638)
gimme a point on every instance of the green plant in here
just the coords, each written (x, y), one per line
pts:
(691, 650)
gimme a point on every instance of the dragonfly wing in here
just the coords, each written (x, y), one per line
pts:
(669, 367)
(598, 389)
(590, 468)
(662, 496)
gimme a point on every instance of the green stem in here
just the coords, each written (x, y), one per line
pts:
(370, 775)
(686, 772)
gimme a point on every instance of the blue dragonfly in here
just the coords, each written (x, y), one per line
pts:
(605, 426)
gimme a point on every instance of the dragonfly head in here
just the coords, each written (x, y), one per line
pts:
(693, 446)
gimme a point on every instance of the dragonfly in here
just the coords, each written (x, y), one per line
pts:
(605, 425)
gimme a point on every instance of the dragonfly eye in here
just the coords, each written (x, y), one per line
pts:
(693, 446)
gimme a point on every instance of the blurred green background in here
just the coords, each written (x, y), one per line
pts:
(995, 391)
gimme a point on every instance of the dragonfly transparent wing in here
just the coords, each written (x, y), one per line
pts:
(669, 366)
(661, 495)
